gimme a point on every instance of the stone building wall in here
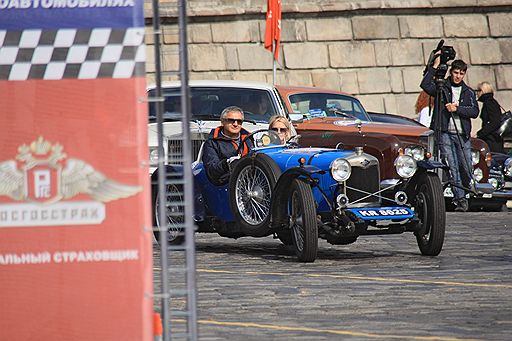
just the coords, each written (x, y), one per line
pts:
(375, 50)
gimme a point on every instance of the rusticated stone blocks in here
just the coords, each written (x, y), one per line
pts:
(376, 50)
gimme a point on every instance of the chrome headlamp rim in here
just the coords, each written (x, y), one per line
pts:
(494, 182)
(507, 167)
(153, 155)
(478, 174)
(340, 169)
(405, 166)
(475, 156)
(417, 152)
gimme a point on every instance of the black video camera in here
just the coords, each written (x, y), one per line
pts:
(447, 53)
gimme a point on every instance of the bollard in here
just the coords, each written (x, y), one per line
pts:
(157, 327)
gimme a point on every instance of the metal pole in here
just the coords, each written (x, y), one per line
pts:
(187, 172)
(162, 173)
(273, 62)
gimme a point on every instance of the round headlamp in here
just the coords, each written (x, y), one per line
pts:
(153, 155)
(507, 167)
(478, 174)
(417, 152)
(494, 182)
(340, 170)
(405, 166)
(475, 156)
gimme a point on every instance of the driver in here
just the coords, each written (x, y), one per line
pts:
(220, 150)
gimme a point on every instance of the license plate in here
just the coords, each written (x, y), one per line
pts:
(487, 195)
(383, 213)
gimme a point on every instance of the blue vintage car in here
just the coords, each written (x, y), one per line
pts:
(302, 194)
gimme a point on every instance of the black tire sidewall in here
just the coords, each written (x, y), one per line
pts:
(308, 252)
(436, 215)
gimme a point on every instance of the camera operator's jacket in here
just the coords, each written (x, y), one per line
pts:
(468, 105)
(217, 150)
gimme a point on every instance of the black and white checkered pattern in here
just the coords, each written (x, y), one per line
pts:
(72, 54)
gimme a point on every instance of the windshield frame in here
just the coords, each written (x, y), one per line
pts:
(207, 103)
(356, 107)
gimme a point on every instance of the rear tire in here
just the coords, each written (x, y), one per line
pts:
(429, 206)
(303, 221)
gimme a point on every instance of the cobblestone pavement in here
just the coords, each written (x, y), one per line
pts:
(379, 288)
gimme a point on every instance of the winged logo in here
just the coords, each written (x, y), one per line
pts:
(44, 174)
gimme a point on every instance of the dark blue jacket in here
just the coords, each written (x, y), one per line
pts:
(491, 122)
(467, 109)
(216, 152)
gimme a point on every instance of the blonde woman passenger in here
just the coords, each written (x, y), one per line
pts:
(281, 126)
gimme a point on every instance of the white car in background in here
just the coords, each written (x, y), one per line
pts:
(259, 101)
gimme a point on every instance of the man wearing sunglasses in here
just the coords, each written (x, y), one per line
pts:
(223, 146)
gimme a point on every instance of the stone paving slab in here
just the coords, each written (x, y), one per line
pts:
(379, 288)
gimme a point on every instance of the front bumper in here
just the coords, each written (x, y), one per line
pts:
(503, 194)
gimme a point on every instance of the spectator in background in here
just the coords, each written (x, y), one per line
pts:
(282, 126)
(423, 108)
(491, 117)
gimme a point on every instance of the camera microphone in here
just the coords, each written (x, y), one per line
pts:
(441, 43)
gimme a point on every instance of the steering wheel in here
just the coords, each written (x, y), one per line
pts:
(261, 138)
(338, 112)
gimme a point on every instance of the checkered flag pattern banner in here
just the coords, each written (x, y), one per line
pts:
(72, 54)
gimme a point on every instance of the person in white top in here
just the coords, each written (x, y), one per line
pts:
(424, 108)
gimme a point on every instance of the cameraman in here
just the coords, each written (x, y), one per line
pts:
(457, 107)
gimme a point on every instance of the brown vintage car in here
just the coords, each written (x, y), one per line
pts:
(331, 118)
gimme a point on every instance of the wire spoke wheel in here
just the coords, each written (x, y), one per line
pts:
(252, 195)
(174, 212)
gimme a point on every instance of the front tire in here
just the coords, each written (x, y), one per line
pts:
(174, 214)
(250, 191)
(429, 206)
(303, 221)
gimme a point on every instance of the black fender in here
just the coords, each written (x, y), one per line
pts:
(279, 202)
(170, 170)
(174, 172)
(431, 164)
(411, 185)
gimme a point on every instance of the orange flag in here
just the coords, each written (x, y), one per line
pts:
(273, 27)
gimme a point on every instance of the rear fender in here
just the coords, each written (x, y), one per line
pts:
(279, 204)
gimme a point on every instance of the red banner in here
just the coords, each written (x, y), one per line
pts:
(273, 27)
(75, 228)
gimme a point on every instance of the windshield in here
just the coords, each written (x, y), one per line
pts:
(208, 103)
(323, 104)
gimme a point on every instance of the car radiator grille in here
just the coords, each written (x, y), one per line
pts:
(366, 180)
(175, 150)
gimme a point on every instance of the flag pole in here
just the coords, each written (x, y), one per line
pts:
(273, 62)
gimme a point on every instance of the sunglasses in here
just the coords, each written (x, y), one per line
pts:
(280, 130)
(233, 120)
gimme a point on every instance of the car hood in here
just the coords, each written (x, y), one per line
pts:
(319, 157)
(351, 125)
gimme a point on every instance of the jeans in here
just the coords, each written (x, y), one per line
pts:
(460, 164)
